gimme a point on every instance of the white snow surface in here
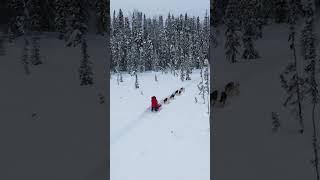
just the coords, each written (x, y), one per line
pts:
(172, 144)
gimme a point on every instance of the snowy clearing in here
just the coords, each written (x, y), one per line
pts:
(171, 144)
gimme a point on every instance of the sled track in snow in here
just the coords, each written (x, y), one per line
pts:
(136, 122)
(129, 127)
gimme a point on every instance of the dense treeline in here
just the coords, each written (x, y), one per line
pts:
(70, 18)
(176, 44)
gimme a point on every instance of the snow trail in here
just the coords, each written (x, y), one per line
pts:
(142, 117)
(143, 141)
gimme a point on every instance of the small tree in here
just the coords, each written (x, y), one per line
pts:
(136, 84)
(2, 48)
(24, 58)
(35, 56)
(275, 122)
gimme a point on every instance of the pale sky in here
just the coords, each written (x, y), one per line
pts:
(156, 7)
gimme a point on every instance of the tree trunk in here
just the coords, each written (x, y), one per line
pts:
(298, 91)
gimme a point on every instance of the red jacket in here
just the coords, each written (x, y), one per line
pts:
(154, 102)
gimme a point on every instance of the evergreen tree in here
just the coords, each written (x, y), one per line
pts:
(309, 54)
(61, 9)
(34, 9)
(2, 48)
(136, 84)
(76, 23)
(35, 56)
(127, 43)
(281, 11)
(25, 57)
(17, 18)
(249, 26)
(201, 85)
(189, 64)
(218, 8)
(85, 70)
(102, 14)
(232, 37)
(206, 77)
(291, 80)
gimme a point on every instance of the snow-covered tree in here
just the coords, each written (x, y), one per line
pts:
(206, 77)
(141, 44)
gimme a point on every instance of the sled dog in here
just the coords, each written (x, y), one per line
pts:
(232, 88)
(166, 101)
(223, 98)
(213, 97)
(172, 96)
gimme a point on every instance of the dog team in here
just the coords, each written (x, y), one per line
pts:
(155, 106)
(171, 97)
(230, 89)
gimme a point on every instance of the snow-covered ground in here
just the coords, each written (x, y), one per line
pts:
(172, 144)
(244, 146)
(47, 118)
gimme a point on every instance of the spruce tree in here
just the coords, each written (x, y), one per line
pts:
(136, 84)
(249, 26)
(206, 77)
(76, 23)
(2, 47)
(61, 9)
(291, 79)
(35, 56)
(201, 85)
(309, 55)
(25, 56)
(189, 64)
(102, 14)
(232, 37)
(34, 10)
(281, 11)
(17, 18)
(85, 69)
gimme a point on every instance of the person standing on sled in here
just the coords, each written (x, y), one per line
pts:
(154, 104)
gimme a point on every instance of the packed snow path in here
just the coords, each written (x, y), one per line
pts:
(158, 145)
